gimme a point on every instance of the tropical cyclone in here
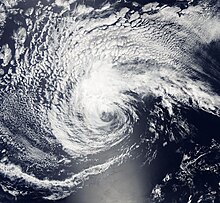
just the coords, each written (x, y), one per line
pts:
(83, 81)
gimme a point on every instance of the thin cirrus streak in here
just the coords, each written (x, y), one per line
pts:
(81, 83)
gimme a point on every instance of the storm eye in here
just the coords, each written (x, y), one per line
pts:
(107, 116)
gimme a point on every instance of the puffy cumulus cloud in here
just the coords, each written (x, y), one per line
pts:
(10, 3)
(2, 15)
(64, 3)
